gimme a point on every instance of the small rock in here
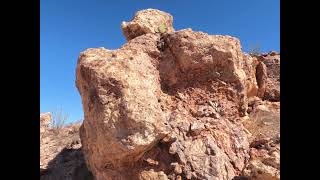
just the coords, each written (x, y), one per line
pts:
(177, 168)
(189, 175)
(197, 127)
(207, 111)
(173, 148)
(152, 162)
(273, 53)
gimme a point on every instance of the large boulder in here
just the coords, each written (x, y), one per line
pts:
(147, 21)
(166, 105)
(123, 118)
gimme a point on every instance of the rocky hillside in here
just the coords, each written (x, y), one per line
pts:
(60, 152)
(177, 105)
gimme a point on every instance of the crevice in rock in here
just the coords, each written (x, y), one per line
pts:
(69, 164)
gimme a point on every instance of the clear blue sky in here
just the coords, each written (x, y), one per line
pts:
(69, 27)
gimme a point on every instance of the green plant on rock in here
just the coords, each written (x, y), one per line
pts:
(162, 28)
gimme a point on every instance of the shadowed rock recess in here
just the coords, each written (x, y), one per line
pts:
(179, 105)
(60, 152)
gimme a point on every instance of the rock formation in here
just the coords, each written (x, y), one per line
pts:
(45, 120)
(178, 105)
(60, 152)
(147, 21)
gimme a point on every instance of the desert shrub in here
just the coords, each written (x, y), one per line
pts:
(59, 119)
(254, 49)
(79, 121)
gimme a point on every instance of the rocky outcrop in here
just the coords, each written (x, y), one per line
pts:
(269, 76)
(169, 104)
(264, 118)
(120, 93)
(250, 66)
(45, 120)
(264, 127)
(264, 163)
(60, 152)
(147, 21)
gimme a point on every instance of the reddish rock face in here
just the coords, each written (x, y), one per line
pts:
(264, 127)
(169, 104)
(269, 76)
